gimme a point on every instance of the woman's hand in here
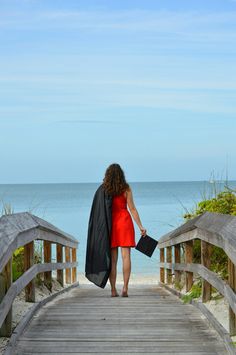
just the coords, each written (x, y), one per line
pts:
(143, 231)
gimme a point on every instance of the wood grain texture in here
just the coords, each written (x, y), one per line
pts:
(68, 259)
(5, 286)
(177, 260)
(22, 281)
(60, 273)
(88, 320)
(19, 229)
(215, 228)
(162, 260)
(232, 284)
(224, 289)
(47, 252)
(28, 263)
(188, 260)
(169, 260)
(206, 261)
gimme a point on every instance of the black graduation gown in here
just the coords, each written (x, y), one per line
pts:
(98, 254)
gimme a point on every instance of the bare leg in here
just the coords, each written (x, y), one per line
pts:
(114, 258)
(126, 267)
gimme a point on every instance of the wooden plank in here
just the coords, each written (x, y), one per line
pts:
(206, 261)
(215, 228)
(68, 259)
(223, 288)
(20, 284)
(5, 284)
(90, 321)
(47, 252)
(232, 284)
(74, 270)
(28, 263)
(18, 331)
(60, 273)
(212, 320)
(188, 260)
(177, 260)
(18, 229)
(169, 260)
(162, 260)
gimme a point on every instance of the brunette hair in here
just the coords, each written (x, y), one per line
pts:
(114, 181)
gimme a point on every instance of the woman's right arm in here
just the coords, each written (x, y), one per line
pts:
(134, 212)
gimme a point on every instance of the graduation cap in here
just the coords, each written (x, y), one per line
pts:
(146, 245)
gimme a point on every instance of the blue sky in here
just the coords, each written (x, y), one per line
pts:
(148, 84)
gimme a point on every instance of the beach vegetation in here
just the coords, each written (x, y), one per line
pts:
(195, 292)
(222, 202)
(18, 255)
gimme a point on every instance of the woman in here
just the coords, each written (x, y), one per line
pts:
(122, 229)
(110, 227)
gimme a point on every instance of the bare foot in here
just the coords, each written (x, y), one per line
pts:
(114, 293)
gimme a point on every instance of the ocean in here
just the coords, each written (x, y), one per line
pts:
(161, 206)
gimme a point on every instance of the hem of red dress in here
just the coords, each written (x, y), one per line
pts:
(123, 246)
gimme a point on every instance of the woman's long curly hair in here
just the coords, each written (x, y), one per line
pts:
(114, 181)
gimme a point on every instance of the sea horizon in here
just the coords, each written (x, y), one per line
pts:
(161, 206)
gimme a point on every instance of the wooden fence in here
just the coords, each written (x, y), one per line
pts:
(22, 229)
(211, 229)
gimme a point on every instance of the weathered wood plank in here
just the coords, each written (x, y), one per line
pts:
(162, 260)
(232, 285)
(215, 228)
(47, 252)
(20, 284)
(28, 263)
(18, 229)
(60, 273)
(206, 261)
(5, 286)
(224, 289)
(88, 320)
(188, 260)
(74, 270)
(68, 259)
(177, 260)
(169, 260)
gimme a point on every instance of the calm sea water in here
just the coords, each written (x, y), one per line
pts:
(161, 206)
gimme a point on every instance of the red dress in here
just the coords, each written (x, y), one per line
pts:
(122, 230)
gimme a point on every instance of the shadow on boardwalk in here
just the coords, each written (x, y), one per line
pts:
(88, 320)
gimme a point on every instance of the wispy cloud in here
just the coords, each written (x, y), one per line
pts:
(130, 20)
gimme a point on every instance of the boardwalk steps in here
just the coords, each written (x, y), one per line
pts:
(87, 320)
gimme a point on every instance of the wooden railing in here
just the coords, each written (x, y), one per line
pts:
(212, 229)
(22, 229)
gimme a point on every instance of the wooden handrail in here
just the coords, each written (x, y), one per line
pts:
(22, 229)
(212, 229)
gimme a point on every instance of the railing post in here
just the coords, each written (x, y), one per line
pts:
(189, 260)
(74, 271)
(68, 271)
(162, 269)
(47, 259)
(60, 273)
(206, 261)
(232, 284)
(169, 260)
(177, 261)
(28, 263)
(5, 284)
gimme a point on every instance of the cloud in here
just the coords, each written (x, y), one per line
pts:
(156, 21)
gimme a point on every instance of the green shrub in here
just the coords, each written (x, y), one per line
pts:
(223, 202)
(195, 292)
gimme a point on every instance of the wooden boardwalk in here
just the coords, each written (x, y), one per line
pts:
(87, 320)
